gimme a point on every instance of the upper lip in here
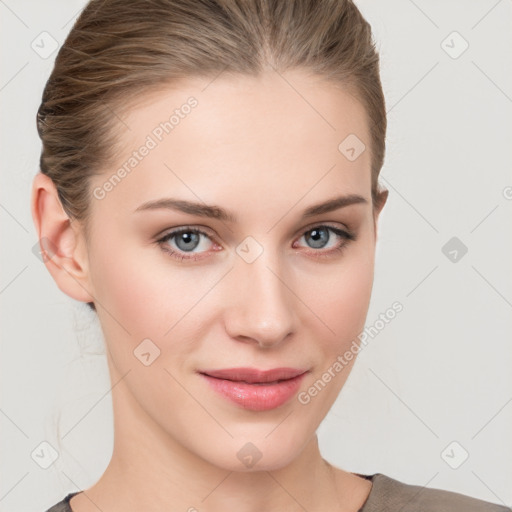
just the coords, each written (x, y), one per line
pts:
(254, 375)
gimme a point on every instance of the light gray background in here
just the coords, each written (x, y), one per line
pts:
(438, 373)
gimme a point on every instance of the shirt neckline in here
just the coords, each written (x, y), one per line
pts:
(364, 508)
(373, 501)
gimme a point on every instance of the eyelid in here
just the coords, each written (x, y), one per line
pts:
(210, 233)
(327, 224)
(191, 227)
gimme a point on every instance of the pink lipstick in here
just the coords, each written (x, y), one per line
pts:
(257, 390)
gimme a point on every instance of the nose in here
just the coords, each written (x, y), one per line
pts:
(261, 302)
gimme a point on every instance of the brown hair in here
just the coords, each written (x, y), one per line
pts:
(120, 48)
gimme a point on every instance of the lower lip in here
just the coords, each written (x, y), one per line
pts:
(256, 397)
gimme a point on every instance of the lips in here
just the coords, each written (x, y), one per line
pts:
(255, 389)
(253, 376)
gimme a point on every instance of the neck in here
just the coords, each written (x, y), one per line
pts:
(151, 471)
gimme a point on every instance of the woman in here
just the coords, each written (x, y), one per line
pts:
(254, 132)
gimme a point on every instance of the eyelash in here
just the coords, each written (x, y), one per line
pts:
(345, 235)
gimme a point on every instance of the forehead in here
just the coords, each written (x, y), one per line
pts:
(259, 136)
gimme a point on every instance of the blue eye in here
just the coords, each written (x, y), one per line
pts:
(320, 235)
(187, 239)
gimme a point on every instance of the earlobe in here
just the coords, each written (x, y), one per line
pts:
(60, 239)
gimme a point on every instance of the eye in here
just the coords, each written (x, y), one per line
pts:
(319, 237)
(187, 239)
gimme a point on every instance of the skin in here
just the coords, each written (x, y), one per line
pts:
(261, 150)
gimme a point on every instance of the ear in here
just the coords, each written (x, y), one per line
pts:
(62, 247)
(382, 197)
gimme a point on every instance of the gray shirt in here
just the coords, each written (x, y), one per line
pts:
(390, 495)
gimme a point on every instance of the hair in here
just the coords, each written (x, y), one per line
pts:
(119, 49)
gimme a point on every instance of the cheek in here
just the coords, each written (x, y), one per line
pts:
(344, 304)
(343, 307)
(129, 293)
(143, 296)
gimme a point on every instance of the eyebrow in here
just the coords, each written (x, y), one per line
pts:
(216, 212)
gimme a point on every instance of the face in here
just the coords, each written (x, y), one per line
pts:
(181, 296)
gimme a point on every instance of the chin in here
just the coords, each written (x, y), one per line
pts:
(264, 452)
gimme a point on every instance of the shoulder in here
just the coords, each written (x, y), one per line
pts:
(62, 506)
(388, 494)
